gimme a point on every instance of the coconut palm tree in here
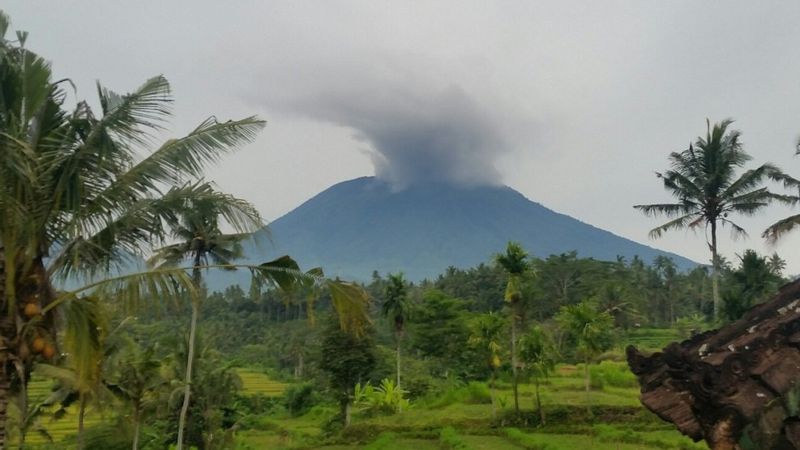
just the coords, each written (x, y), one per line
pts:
(396, 305)
(514, 261)
(81, 195)
(202, 242)
(705, 182)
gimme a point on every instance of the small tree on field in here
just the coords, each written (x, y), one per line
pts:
(396, 306)
(538, 352)
(591, 330)
(515, 262)
(347, 358)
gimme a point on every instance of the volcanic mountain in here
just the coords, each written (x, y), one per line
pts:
(362, 225)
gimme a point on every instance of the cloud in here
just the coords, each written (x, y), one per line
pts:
(420, 128)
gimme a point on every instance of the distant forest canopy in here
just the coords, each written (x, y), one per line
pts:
(635, 293)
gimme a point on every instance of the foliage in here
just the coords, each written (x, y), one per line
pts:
(450, 440)
(386, 398)
(753, 282)
(591, 330)
(299, 398)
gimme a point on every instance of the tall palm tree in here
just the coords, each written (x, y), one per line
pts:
(77, 199)
(514, 261)
(705, 182)
(202, 242)
(396, 305)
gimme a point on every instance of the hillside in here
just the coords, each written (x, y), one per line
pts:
(361, 225)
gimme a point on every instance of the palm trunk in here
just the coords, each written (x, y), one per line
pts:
(397, 338)
(715, 271)
(81, 416)
(5, 386)
(588, 383)
(515, 380)
(136, 425)
(491, 394)
(187, 391)
(539, 401)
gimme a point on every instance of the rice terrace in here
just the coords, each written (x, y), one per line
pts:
(475, 225)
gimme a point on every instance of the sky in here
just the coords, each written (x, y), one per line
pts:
(574, 104)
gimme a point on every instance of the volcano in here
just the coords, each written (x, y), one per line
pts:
(359, 226)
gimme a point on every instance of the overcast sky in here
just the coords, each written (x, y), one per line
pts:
(574, 104)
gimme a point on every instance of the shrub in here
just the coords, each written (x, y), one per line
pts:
(526, 441)
(299, 398)
(385, 441)
(612, 374)
(450, 440)
(472, 393)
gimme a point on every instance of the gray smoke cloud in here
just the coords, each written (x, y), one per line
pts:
(417, 131)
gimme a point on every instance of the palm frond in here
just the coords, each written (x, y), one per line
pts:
(680, 222)
(778, 229)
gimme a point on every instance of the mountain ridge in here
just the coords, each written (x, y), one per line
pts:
(361, 225)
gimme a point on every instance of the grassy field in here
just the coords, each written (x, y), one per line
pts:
(608, 417)
(617, 421)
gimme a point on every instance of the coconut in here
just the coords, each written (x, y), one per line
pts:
(32, 309)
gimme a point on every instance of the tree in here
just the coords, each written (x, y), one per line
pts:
(538, 352)
(704, 180)
(485, 336)
(396, 306)
(753, 282)
(201, 241)
(348, 359)
(514, 262)
(591, 330)
(138, 378)
(77, 200)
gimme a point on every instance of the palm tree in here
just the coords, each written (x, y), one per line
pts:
(704, 180)
(77, 200)
(486, 335)
(396, 305)
(539, 353)
(202, 242)
(514, 262)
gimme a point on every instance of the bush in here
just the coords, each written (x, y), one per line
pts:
(385, 441)
(612, 374)
(473, 393)
(450, 440)
(299, 398)
(526, 441)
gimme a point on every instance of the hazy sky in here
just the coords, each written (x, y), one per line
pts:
(574, 104)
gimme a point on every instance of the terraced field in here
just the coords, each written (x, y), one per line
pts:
(255, 382)
(57, 430)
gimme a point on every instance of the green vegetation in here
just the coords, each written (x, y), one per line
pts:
(483, 352)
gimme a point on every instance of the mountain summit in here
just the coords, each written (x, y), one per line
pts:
(361, 225)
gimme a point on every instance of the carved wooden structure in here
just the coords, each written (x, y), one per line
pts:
(737, 387)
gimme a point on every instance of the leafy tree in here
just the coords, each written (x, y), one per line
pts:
(514, 262)
(396, 305)
(753, 282)
(591, 330)
(348, 359)
(76, 198)
(538, 352)
(704, 180)
(137, 380)
(486, 336)
(440, 331)
(201, 241)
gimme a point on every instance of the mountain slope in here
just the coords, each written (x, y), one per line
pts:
(361, 225)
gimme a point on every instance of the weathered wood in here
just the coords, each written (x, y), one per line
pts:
(737, 387)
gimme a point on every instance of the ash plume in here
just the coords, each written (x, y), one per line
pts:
(417, 134)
